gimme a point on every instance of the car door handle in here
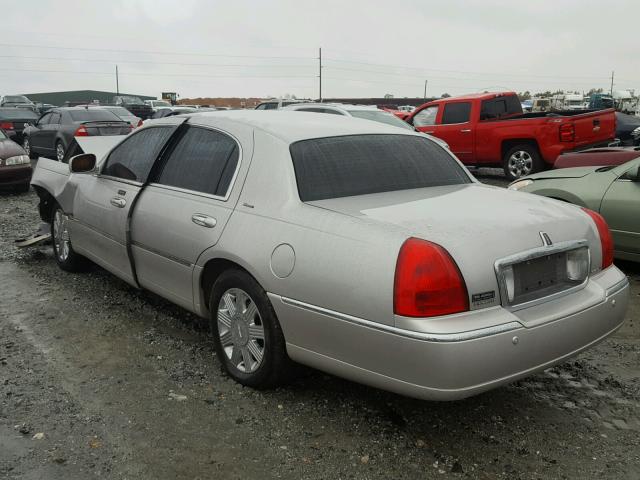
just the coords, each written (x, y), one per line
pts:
(203, 220)
(118, 202)
(465, 130)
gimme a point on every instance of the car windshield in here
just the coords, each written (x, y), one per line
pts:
(20, 113)
(351, 165)
(16, 99)
(379, 116)
(94, 115)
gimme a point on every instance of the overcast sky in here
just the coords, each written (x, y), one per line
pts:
(269, 48)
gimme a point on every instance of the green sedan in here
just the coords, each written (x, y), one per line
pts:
(613, 191)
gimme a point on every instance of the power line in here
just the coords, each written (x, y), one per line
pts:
(148, 62)
(151, 52)
(155, 74)
(423, 71)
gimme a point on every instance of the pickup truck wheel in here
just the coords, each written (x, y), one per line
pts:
(247, 335)
(66, 258)
(520, 161)
(26, 145)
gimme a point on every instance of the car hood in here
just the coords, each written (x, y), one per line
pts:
(478, 224)
(574, 172)
(9, 148)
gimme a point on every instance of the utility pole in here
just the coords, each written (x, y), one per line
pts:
(117, 82)
(425, 90)
(612, 73)
(320, 73)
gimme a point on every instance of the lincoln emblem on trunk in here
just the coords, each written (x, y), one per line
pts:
(546, 239)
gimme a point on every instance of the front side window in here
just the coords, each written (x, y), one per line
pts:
(203, 161)
(351, 165)
(55, 118)
(45, 119)
(133, 158)
(456, 113)
(426, 117)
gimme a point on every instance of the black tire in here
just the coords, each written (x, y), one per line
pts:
(69, 260)
(275, 367)
(60, 154)
(26, 145)
(521, 160)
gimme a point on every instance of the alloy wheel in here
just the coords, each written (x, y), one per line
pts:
(241, 330)
(61, 235)
(520, 163)
(60, 152)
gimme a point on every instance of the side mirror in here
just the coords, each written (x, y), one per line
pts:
(633, 174)
(83, 163)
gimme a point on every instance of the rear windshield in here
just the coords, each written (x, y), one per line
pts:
(20, 113)
(351, 165)
(16, 99)
(120, 111)
(379, 116)
(92, 115)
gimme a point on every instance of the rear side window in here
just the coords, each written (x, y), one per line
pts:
(456, 112)
(93, 115)
(203, 161)
(362, 164)
(133, 158)
(500, 107)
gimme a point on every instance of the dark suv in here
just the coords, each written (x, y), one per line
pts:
(135, 105)
(54, 132)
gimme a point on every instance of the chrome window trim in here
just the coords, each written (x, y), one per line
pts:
(501, 263)
(423, 336)
(233, 178)
(134, 183)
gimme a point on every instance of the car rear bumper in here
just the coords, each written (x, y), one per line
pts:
(15, 175)
(449, 366)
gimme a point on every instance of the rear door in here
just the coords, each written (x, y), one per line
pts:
(102, 203)
(184, 210)
(620, 207)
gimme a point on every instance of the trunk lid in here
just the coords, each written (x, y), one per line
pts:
(104, 128)
(477, 224)
(594, 127)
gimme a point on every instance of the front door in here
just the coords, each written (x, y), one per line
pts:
(102, 202)
(454, 127)
(620, 207)
(184, 210)
(38, 133)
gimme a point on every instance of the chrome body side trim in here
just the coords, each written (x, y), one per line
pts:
(427, 337)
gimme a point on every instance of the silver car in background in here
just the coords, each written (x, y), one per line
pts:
(347, 245)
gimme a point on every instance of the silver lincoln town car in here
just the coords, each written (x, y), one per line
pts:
(354, 247)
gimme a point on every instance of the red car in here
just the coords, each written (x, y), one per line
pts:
(596, 157)
(490, 129)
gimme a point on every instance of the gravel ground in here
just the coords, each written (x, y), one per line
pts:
(98, 379)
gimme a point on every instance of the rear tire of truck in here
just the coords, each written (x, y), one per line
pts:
(522, 160)
(66, 258)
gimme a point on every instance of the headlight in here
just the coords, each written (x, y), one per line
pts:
(17, 160)
(520, 184)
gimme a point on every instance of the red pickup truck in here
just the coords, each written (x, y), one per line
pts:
(490, 129)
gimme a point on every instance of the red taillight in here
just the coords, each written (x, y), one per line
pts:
(6, 126)
(81, 132)
(140, 123)
(567, 132)
(606, 240)
(428, 282)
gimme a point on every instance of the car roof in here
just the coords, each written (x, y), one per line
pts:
(474, 96)
(291, 127)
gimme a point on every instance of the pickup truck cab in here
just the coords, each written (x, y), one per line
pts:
(490, 130)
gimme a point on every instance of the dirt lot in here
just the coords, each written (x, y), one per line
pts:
(100, 380)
